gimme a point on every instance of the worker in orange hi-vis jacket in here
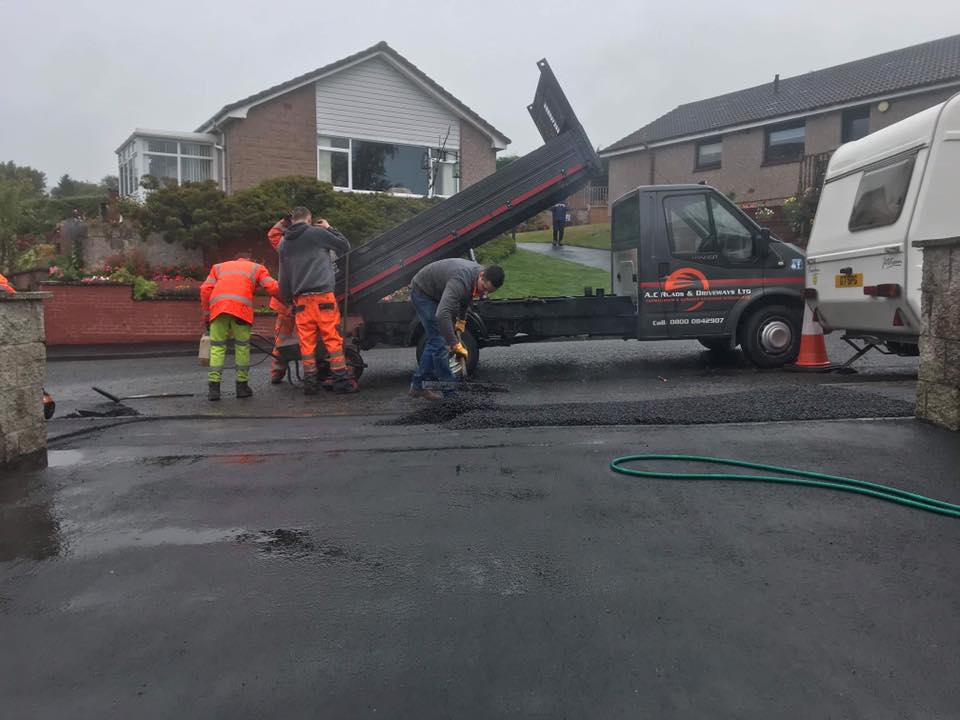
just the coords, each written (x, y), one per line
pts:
(285, 330)
(5, 286)
(226, 297)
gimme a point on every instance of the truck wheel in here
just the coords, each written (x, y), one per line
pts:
(473, 348)
(770, 336)
(715, 344)
(354, 361)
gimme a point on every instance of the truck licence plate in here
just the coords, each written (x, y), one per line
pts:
(845, 281)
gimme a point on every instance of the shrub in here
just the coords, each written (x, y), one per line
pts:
(497, 250)
(199, 214)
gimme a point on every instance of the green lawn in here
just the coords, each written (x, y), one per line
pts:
(530, 274)
(589, 236)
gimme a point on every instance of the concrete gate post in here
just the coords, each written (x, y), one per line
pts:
(938, 384)
(23, 435)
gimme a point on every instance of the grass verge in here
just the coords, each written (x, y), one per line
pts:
(531, 274)
(589, 236)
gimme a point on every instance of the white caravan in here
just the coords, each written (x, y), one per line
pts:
(882, 193)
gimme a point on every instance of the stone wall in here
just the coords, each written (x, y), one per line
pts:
(97, 245)
(23, 436)
(938, 384)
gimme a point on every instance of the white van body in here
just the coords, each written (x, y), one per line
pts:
(880, 194)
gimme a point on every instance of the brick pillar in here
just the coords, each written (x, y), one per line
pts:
(23, 436)
(938, 385)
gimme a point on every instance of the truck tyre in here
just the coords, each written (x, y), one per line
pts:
(770, 336)
(354, 361)
(715, 344)
(468, 340)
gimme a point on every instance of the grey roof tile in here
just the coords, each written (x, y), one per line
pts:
(912, 67)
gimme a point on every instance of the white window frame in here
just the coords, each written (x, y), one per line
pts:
(348, 151)
(178, 154)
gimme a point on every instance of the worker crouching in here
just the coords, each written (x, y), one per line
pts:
(442, 293)
(307, 281)
(226, 297)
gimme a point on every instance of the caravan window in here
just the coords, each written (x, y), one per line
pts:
(881, 195)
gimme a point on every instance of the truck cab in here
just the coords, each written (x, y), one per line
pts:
(697, 267)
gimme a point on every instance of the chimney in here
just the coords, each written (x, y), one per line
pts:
(776, 83)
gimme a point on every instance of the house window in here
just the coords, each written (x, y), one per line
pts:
(174, 162)
(128, 170)
(855, 124)
(785, 143)
(708, 154)
(881, 195)
(367, 166)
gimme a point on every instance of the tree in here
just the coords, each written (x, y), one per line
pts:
(10, 171)
(109, 182)
(23, 208)
(67, 187)
(505, 160)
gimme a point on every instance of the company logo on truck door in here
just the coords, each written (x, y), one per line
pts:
(691, 284)
(687, 280)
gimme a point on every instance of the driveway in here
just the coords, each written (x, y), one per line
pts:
(334, 567)
(584, 256)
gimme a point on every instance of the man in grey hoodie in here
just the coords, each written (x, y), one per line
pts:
(441, 293)
(307, 280)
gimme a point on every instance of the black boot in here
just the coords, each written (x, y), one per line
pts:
(243, 389)
(344, 385)
(213, 391)
(311, 385)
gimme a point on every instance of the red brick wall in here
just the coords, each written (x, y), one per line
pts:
(276, 139)
(107, 314)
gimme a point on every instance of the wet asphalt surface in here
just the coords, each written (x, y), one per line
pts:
(310, 557)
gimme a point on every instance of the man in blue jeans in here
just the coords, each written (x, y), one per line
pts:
(441, 294)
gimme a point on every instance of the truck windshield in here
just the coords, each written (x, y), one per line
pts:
(625, 228)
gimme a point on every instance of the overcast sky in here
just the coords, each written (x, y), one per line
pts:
(78, 76)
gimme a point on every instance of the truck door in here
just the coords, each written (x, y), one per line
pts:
(640, 260)
(713, 262)
(625, 243)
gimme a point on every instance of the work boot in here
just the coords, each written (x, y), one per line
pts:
(276, 378)
(243, 389)
(213, 391)
(425, 394)
(344, 386)
(311, 385)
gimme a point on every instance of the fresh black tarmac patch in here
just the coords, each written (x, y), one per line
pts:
(814, 402)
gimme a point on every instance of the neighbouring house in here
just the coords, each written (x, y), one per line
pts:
(371, 122)
(765, 144)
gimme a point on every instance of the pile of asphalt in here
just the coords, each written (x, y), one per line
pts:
(801, 402)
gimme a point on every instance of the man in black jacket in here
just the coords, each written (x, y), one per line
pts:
(307, 280)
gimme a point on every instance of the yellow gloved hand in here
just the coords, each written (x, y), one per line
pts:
(460, 325)
(460, 349)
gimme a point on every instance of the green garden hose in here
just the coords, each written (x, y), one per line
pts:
(796, 477)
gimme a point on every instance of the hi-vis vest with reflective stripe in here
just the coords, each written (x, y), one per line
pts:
(5, 286)
(230, 286)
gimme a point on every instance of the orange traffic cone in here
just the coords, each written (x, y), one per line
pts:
(813, 349)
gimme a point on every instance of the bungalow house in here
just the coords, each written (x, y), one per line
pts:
(764, 144)
(371, 122)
